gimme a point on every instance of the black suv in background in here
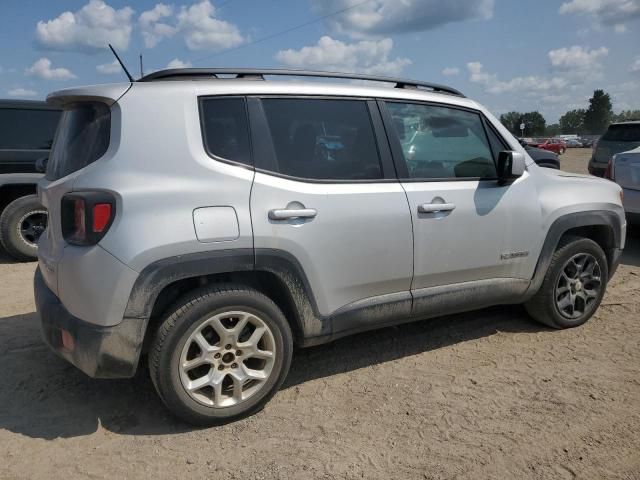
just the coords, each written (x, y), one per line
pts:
(26, 134)
(619, 137)
(544, 158)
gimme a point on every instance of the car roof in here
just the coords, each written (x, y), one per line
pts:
(626, 122)
(226, 86)
(182, 74)
(252, 81)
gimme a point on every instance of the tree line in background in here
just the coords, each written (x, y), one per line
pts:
(593, 120)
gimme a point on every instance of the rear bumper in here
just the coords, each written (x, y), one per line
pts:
(597, 170)
(100, 352)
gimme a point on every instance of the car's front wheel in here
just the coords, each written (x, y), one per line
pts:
(220, 354)
(573, 286)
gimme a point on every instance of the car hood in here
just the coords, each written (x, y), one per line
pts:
(562, 173)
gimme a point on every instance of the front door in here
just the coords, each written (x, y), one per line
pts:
(466, 226)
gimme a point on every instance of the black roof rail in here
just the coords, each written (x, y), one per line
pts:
(259, 73)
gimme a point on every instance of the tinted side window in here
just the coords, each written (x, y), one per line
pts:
(441, 142)
(27, 129)
(323, 139)
(225, 129)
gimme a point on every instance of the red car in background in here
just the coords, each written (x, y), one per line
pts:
(555, 145)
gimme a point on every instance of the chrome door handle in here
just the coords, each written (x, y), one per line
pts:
(436, 207)
(288, 213)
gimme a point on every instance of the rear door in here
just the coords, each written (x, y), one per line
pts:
(325, 191)
(466, 226)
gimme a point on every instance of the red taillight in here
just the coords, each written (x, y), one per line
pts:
(101, 216)
(86, 216)
(608, 173)
(79, 226)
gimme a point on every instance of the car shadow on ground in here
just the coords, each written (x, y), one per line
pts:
(44, 397)
(5, 259)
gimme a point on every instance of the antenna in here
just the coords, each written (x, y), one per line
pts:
(141, 69)
(122, 65)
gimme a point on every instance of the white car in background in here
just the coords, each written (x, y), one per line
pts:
(624, 169)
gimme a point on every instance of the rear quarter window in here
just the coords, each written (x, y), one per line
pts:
(82, 138)
(225, 129)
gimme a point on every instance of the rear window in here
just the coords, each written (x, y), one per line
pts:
(27, 129)
(82, 138)
(623, 133)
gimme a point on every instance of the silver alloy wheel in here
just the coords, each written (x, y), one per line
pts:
(578, 286)
(31, 225)
(227, 359)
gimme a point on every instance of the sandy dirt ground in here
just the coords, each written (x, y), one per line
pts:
(488, 394)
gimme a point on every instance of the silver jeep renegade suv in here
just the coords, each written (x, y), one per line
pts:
(210, 220)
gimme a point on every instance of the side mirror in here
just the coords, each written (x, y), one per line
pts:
(41, 164)
(511, 165)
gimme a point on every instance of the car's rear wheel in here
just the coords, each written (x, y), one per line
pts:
(573, 286)
(21, 224)
(220, 354)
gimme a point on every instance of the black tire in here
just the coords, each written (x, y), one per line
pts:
(186, 317)
(543, 307)
(21, 246)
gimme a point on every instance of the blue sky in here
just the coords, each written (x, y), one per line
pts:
(521, 55)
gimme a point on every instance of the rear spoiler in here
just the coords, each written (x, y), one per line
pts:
(108, 94)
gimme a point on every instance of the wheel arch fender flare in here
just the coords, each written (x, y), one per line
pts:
(566, 223)
(159, 274)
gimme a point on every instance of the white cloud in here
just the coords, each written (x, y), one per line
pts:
(89, 29)
(635, 66)
(367, 56)
(153, 29)
(109, 68)
(527, 84)
(177, 63)
(620, 28)
(577, 57)
(22, 92)
(203, 31)
(604, 12)
(450, 71)
(399, 16)
(42, 68)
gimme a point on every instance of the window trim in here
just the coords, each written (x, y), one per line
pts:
(201, 99)
(396, 147)
(266, 156)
